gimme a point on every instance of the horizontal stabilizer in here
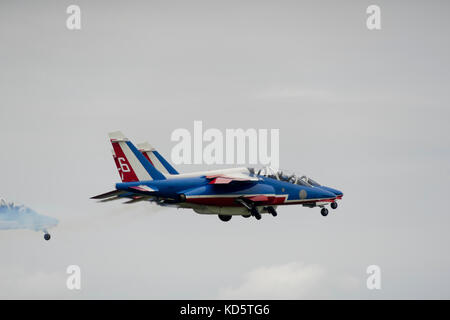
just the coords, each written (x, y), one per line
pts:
(138, 199)
(109, 194)
(111, 199)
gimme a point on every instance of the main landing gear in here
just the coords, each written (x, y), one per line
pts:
(224, 217)
(252, 210)
(255, 213)
(272, 211)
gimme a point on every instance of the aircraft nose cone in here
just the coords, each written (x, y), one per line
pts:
(328, 194)
(325, 194)
(335, 191)
(338, 193)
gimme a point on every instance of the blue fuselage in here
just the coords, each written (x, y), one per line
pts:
(199, 190)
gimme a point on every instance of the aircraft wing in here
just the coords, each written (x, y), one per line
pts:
(228, 178)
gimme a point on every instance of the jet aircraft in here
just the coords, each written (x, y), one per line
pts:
(246, 192)
(13, 216)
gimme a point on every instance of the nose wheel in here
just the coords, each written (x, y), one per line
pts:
(334, 205)
(324, 212)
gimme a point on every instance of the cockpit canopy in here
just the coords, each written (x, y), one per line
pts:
(285, 175)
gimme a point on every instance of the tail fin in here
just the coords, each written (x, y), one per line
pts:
(125, 175)
(131, 164)
(156, 159)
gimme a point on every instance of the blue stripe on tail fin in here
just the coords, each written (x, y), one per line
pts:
(155, 174)
(166, 164)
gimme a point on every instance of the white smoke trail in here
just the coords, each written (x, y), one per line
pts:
(20, 217)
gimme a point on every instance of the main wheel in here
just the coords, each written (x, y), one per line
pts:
(272, 211)
(246, 215)
(224, 218)
(256, 213)
(47, 236)
(324, 212)
(333, 205)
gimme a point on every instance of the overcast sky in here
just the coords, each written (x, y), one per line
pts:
(363, 111)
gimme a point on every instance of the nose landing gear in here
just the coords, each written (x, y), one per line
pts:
(334, 205)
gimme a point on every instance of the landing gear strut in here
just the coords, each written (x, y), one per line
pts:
(256, 213)
(272, 211)
(224, 218)
(333, 205)
(324, 212)
(250, 207)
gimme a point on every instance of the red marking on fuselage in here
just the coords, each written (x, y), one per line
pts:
(261, 200)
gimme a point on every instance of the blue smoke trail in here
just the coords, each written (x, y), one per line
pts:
(20, 217)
